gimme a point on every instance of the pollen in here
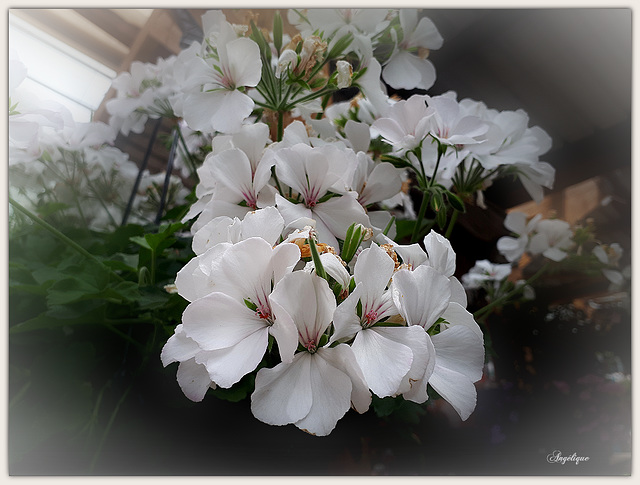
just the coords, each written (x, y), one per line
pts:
(305, 250)
(392, 254)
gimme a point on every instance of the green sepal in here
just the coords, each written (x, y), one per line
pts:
(320, 271)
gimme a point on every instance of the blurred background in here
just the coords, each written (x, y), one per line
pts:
(558, 375)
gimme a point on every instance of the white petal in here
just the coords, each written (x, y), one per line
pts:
(193, 279)
(233, 169)
(440, 253)
(456, 389)
(338, 213)
(414, 386)
(194, 380)
(212, 233)
(373, 269)
(400, 72)
(342, 357)
(421, 295)
(456, 314)
(282, 394)
(178, 348)
(458, 293)
(516, 222)
(331, 391)
(358, 135)
(245, 65)
(384, 362)
(459, 349)
(227, 366)
(218, 321)
(345, 319)
(383, 183)
(309, 302)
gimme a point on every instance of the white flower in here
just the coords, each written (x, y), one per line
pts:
(512, 248)
(485, 271)
(232, 325)
(451, 125)
(553, 237)
(319, 386)
(375, 182)
(458, 346)
(391, 358)
(404, 70)
(312, 173)
(406, 123)
(217, 105)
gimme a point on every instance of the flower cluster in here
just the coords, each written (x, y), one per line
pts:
(554, 241)
(297, 279)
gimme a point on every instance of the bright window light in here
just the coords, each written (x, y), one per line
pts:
(57, 72)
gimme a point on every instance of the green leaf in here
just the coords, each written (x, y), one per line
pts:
(456, 202)
(142, 241)
(277, 31)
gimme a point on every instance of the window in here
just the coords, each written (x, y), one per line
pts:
(57, 72)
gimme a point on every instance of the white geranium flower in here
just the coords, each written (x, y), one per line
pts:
(458, 346)
(450, 125)
(232, 324)
(552, 238)
(319, 386)
(512, 248)
(217, 105)
(375, 182)
(485, 271)
(312, 173)
(391, 358)
(406, 123)
(266, 223)
(405, 70)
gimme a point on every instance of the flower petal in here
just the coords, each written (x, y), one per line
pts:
(331, 391)
(283, 393)
(194, 380)
(456, 389)
(384, 362)
(218, 321)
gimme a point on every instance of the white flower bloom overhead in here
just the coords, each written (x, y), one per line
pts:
(214, 102)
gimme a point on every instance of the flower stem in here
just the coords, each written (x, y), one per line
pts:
(452, 222)
(423, 210)
(280, 125)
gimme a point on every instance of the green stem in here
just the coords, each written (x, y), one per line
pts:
(423, 210)
(452, 222)
(484, 310)
(280, 125)
(309, 97)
